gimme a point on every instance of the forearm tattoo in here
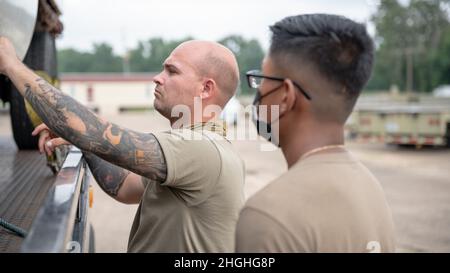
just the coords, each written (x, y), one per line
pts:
(134, 151)
(108, 176)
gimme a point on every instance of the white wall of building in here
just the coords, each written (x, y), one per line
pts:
(110, 96)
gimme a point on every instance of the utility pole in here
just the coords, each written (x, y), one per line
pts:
(126, 54)
(409, 54)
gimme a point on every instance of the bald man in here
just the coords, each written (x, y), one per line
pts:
(188, 181)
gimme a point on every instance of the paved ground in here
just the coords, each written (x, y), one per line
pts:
(417, 186)
(416, 182)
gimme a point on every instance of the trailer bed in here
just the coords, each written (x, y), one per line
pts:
(24, 182)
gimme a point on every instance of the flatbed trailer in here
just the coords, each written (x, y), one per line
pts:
(52, 209)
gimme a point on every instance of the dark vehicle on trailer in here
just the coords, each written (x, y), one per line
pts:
(40, 210)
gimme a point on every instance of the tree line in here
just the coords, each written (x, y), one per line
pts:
(413, 45)
(148, 56)
(412, 49)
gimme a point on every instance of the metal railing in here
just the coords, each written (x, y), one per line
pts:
(61, 223)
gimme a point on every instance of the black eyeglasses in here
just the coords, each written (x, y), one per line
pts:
(255, 77)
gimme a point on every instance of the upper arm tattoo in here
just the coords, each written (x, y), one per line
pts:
(134, 151)
(108, 176)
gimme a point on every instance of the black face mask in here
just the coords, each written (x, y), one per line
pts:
(264, 129)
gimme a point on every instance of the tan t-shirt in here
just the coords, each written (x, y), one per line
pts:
(328, 202)
(197, 207)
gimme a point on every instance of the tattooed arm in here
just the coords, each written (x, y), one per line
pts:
(119, 183)
(137, 152)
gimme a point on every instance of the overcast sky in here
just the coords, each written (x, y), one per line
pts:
(123, 22)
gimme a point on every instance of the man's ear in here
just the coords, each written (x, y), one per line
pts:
(209, 87)
(289, 97)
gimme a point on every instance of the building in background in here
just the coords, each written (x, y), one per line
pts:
(110, 93)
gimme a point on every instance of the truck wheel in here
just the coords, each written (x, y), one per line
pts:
(41, 57)
(21, 123)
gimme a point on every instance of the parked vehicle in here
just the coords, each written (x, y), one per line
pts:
(32, 26)
(419, 120)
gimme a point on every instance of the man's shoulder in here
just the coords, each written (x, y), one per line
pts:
(181, 134)
(305, 184)
(195, 138)
(188, 151)
(184, 139)
(274, 197)
(268, 224)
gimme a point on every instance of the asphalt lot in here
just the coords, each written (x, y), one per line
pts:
(416, 183)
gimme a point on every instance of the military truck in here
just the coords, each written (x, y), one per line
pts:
(40, 210)
(32, 26)
(411, 120)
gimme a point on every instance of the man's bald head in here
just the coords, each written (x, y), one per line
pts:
(213, 60)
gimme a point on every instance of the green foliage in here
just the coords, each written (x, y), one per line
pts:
(416, 34)
(412, 41)
(148, 56)
(102, 59)
(249, 55)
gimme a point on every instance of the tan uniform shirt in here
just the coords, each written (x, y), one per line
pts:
(197, 207)
(328, 202)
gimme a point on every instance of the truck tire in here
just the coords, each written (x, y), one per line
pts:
(41, 57)
(21, 123)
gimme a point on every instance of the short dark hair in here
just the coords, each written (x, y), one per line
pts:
(340, 49)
